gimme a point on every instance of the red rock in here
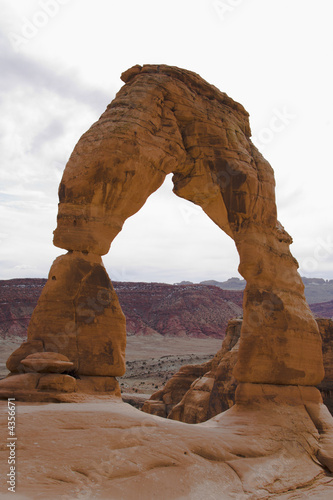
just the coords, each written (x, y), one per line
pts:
(214, 390)
(163, 401)
(78, 315)
(198, 392)
(25, 349)
(156, 125)
(56, 382)
(169, 120)
(13, 384)
(326, 385)
(97, 385)
(47, 362)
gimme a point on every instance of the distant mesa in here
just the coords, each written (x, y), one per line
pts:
(317, 290)
(316, 281)
(230, 284)
(184, 283)
(323, 309)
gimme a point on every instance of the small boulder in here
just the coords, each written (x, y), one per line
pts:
(47, 362)
(25, 349)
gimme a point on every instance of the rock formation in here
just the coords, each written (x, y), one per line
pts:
(197, 393)
(168, 120)
(46, 362)
(78, 316)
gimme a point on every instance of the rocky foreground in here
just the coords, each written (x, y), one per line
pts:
(259, 449)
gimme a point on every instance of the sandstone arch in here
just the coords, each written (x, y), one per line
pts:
(168, 120)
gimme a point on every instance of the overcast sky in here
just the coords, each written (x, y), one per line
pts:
(60, 66)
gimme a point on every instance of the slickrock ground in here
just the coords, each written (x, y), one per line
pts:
(110, 450)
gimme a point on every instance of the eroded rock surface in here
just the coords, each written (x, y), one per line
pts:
(168, 120)
(78, 316)
(197, 393)
(261, 448)
(47, 362)
(215, 391)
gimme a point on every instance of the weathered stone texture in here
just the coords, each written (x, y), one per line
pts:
(193, 400)
(199, 392)
(169, 120)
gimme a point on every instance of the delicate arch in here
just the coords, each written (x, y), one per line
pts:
(169, 120)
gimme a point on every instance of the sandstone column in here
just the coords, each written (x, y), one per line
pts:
(280, 341)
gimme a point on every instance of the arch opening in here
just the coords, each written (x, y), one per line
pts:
(170, 240)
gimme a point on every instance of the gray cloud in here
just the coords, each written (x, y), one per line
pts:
(52, 131)
(18, 69)
(39, 125)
